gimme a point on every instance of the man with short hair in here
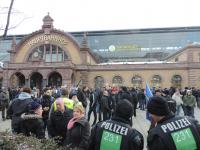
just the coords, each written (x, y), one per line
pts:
(58, 120)
(171, 132)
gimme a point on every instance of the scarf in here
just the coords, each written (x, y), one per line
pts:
(73, 120)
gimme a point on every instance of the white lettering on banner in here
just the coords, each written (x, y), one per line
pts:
(175, 125)
(115, 128)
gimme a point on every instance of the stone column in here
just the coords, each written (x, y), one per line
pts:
(84, 78)
(27, 82)
(44, 83)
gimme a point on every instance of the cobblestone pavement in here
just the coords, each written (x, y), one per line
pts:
(139, 122)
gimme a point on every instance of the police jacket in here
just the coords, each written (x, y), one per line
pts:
(115, 134)
(175, 133)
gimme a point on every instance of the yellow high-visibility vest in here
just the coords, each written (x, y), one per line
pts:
(68, 103)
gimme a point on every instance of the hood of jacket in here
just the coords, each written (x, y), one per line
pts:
(24, 95)
(25, 116)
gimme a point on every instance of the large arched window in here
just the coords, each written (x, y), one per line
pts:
(136, 81)
(176, 81)
(48, 53)
(156, 81)
(117, 80)
(99, 81)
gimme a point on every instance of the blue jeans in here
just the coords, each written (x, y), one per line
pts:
(189, 111)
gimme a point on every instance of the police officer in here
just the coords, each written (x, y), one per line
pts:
(171, 132)
(117, 134)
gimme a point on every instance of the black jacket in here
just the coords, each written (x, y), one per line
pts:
(115, 134)
(16, 108)
(171, 130)
(79, 135)
(32, 124)
(57, 124)
(105, 104)
(46, 101)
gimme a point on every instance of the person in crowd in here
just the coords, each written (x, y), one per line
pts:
(198, 98)
(4, 101)
(17, 107)
(179, 102)
(94, 98)
(189, 102)
(117, 133)
(64, 96)
(73, 96)
(142, 99)
(58, 120)
(125, 94)
(105, 106)
(46, 101)
(78, 129)
(171, 132)
(82, 96)
(171, 102)
(32, 123)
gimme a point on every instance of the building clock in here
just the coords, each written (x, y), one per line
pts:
(35, 54)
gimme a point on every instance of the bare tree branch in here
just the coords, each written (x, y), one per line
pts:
(19, 23)
(8, 19)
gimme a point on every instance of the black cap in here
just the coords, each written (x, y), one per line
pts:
(158, 106)
(124, 109)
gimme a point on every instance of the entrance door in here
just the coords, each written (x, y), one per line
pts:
(36, 80)
(55, 79)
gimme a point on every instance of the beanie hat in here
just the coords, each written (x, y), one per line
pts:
(158, 106)
(34, 105)
(124, 109)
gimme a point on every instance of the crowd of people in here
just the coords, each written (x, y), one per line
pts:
(62, 114)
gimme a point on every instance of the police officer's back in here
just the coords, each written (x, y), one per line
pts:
(117, 134)
(171, 132)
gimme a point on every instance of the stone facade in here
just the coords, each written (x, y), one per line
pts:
(63, 61)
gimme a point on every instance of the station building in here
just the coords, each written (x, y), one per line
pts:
(163, 57)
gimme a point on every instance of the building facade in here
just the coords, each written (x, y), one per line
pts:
(50, 57)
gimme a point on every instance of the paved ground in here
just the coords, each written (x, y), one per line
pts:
(139, 122)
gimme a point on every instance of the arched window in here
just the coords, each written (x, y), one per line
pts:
(48, 53)
(156, 81)
(99, 81)
(136, 81)
(117, 80)
(176, 81)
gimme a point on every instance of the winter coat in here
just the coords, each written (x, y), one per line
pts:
(189, 100)
(46, 101)
(57, 124)
(78, 136)
(115, 134)
(32, 124)
(16, 108)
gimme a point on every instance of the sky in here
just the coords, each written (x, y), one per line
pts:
(96, 15)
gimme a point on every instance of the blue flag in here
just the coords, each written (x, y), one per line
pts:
(148, 91)
(148, 95)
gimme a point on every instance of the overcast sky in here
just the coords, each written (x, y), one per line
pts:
(93, 15)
